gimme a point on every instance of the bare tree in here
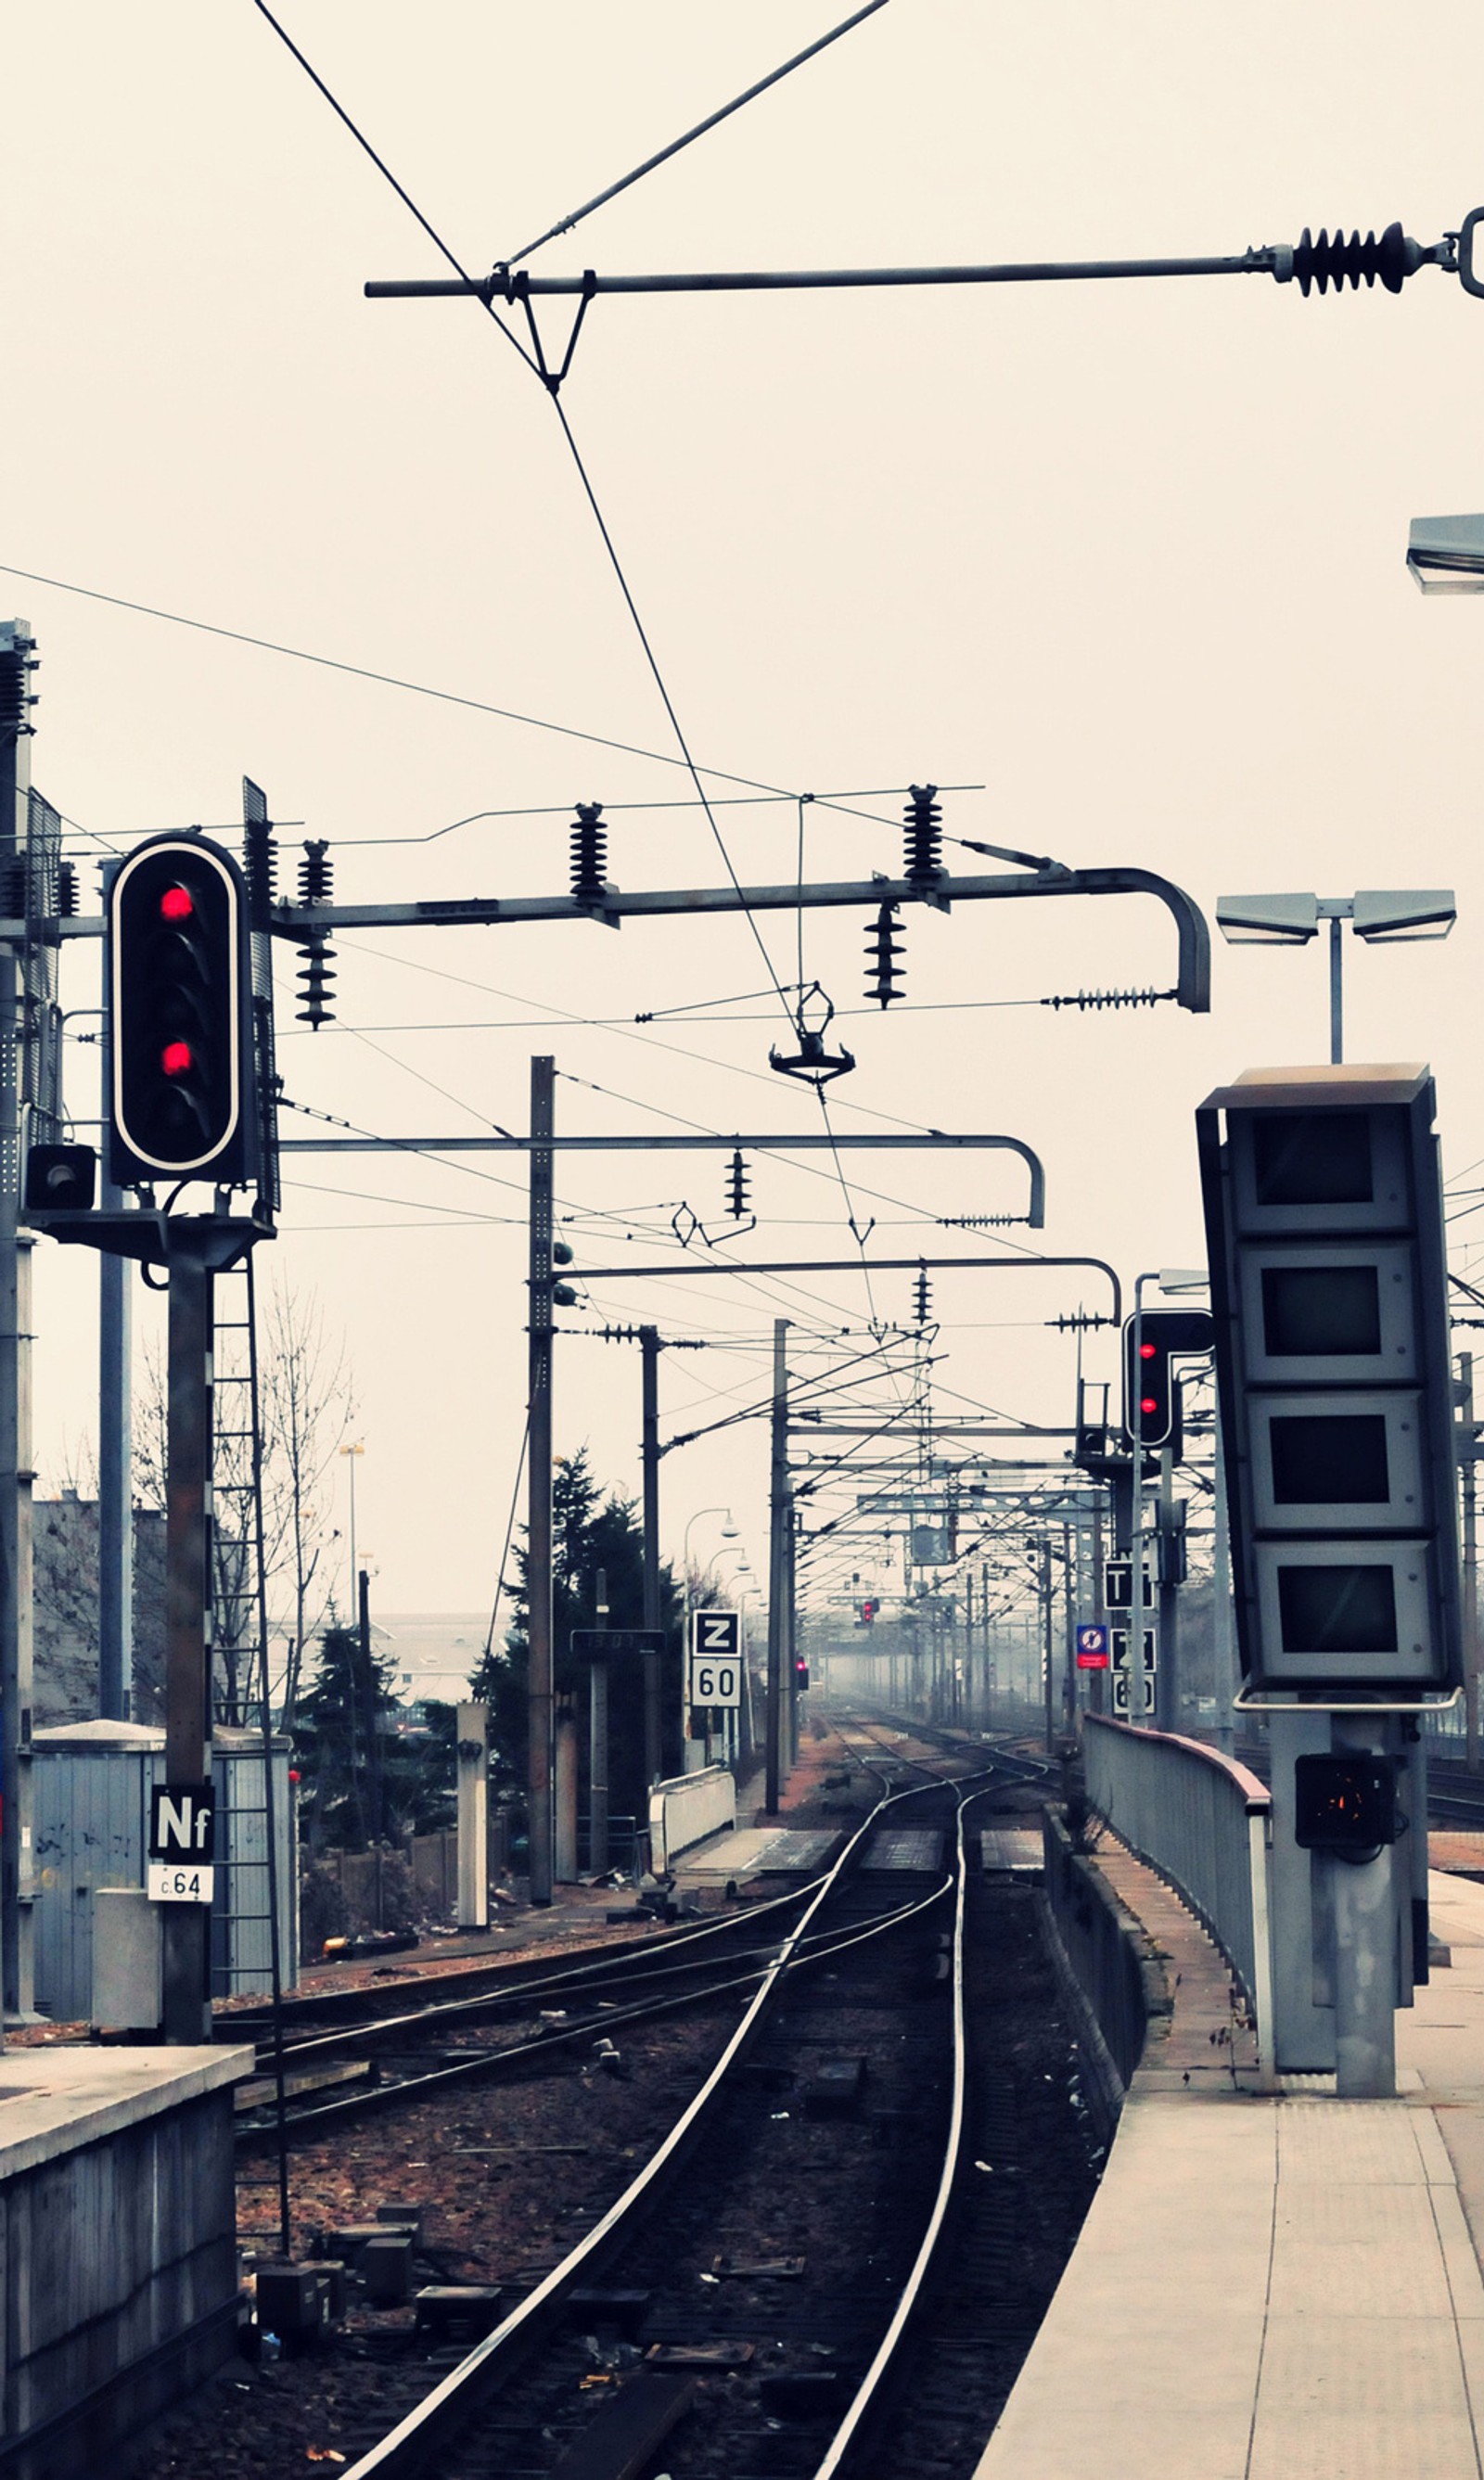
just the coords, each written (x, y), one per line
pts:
(306, 1405)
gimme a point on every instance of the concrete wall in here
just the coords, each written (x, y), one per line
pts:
(118, 2288)
(1103, 1959)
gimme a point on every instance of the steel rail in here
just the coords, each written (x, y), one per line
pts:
(404, 2450)
(848, 2438)
(428, 2019)
(481, 2064)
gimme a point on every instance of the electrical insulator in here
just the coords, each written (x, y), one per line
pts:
(1325, 262)
(260, 869)
(883, 947)
(736, 1188)
(15, 890)
(922, 1301)
(67, 891)
(589, 854)
(923, 835)
(316, 974)
(16, 664)
(316, 873)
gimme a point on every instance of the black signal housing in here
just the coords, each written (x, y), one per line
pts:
(180, 1099)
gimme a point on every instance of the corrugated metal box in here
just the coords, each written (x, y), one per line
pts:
(92, 1783)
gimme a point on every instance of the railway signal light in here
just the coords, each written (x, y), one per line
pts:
(1162, 1336)
(800, 1673)
(1345, 1804)
(1324, 1216)
(179, 1100)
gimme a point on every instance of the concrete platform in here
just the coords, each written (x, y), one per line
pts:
(1267, 2288)
(753, 1851)
(118, 2242)
(1016, 1850)
(906, 1846)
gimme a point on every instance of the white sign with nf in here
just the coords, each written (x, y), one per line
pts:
(173, 1881)
(182, 1840)
(715, 1658)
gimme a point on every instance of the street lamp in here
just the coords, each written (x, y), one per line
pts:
(729, 1533)
(352, 1453)
(1445, 554)
(1381, 916)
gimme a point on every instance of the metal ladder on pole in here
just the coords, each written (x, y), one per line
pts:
(243, 1925)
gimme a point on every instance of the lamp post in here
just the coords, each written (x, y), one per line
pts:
(352, 1453)
(1381, 916)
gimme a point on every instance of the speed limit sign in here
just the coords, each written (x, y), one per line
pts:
(715, 1658)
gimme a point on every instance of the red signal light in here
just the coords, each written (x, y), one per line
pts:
(177, 1059)
(1147, 1351)
(176, 904)
(1149, 1403)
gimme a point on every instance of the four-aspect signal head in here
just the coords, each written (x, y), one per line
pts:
(180, 1104)
(1324, 1218)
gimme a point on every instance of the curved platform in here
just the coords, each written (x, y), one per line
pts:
(1268, 2287)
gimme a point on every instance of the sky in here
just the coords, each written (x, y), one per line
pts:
(1122, 563)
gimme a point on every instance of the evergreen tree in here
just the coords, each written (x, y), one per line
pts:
(589, 1533)
(363, 1782)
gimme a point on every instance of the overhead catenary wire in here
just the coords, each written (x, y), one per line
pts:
(446, 697)
(569, 222)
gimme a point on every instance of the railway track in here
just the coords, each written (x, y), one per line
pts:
(852, 2073)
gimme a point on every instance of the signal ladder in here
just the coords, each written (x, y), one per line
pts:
(241, 1927)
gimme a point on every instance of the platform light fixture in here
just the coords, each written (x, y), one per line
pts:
(1445, 554)
(1381, 916)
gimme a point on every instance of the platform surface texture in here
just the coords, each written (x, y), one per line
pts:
(1270, 2287)
(752, 1851)
(54, 2099)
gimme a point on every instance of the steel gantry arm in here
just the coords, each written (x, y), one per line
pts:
(940, 890)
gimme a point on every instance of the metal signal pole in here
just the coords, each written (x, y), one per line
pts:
(185, 1929)
(777, 1724)
(538, 1485)
(649, 1349)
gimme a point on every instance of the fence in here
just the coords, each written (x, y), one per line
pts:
(372, 1886)
(1203, 1821)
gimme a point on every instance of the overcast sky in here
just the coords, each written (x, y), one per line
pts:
(1128, 559)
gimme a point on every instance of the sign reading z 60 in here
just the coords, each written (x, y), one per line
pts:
(715, 1658)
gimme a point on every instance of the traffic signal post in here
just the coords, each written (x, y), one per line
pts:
(1324, 1226)
(182, 1105)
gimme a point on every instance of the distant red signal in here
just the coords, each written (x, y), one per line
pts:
(176, 904)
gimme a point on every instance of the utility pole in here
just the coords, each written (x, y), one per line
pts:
(778, 1502)
(372, 1731)
(17, 1977)
(649, 1456)
(538, 1485)
(597, 1736)
(1468, 1450)
(1167, 1638)
(1048, 1642)
(185, 1929)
